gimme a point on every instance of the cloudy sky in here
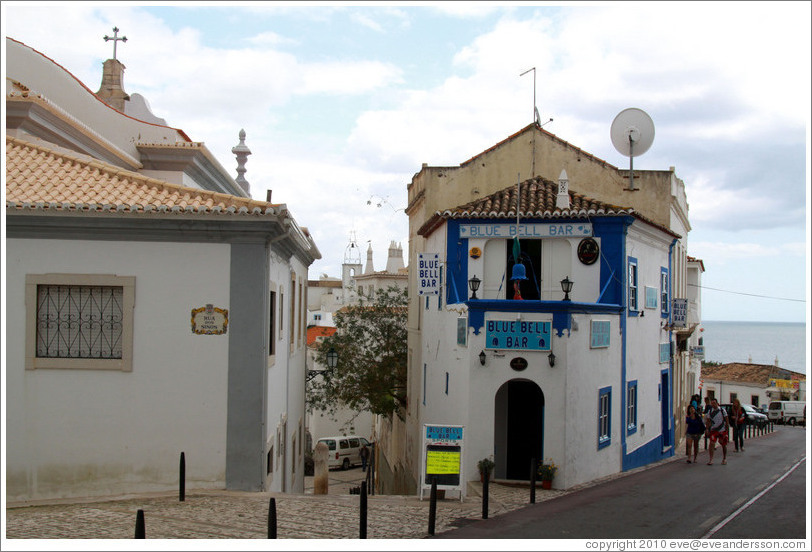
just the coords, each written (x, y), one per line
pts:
(342, 104)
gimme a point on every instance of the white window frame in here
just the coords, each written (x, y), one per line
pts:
(123, 364)
(634, 286)
(631, 407)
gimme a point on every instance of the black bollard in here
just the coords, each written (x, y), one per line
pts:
(182, 478)
(272, 518)
(363, 528)
(485, 477)
(533, 470)
(140, 527)
(433, 505)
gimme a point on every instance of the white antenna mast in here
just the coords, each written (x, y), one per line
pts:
(535, 120)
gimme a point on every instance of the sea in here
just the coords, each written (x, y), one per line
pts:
(757, 343)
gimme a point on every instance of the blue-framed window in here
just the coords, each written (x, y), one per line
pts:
(633, 285)
(631, 407)
(604, 417)
(599, 334)
(664, 295)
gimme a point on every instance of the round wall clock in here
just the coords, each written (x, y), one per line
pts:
(588, 251)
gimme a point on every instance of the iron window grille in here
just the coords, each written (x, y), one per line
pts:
(79, 321)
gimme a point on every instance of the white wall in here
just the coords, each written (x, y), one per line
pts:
(81, 432)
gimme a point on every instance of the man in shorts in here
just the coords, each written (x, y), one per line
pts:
(717, 423)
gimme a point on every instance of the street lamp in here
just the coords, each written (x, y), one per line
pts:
(482, 358)
(551, 358)
(566, 287)
(332, 358)
(473, 283)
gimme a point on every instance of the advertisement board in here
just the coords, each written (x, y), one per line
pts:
(442, 458)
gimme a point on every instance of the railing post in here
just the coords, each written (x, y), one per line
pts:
(182, 478)
(485, 477)
(433, 505)
(272, 518)
(533, 470)
(140, 527)
(363, 516)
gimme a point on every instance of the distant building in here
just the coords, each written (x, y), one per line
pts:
(153, 307)
(326, 296)
(754, 384)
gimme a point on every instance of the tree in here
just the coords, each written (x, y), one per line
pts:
(371, 342)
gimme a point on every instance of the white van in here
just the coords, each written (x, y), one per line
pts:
(787, 412)
(344, 450)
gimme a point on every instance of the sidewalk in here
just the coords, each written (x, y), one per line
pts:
(218, 514)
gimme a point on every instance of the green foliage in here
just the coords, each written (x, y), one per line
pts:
(371, 342)
(486, 464)
(547, 470)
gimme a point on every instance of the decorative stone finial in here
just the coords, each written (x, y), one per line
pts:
(562, 200)
(242, 152)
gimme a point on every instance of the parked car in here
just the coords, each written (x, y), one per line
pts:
(344, 451)
(754, 417)
(751, 415)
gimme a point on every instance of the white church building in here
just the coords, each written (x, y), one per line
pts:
(153, 307)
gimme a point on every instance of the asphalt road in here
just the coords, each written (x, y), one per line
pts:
(677, 500)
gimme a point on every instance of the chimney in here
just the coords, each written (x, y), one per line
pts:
(369, 269)
(395, 261)
(242, 152)
(112, 89)
(562, 200)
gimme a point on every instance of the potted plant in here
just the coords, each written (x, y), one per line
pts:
(485, 465)
(547, 473)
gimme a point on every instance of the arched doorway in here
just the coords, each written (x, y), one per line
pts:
(518, 428)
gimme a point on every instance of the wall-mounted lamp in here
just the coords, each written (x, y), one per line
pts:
(332, 358)
(473, 283)
(551, 358)
(566, 287)
(482, 358)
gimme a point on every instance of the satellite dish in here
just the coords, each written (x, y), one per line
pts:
(632, 134)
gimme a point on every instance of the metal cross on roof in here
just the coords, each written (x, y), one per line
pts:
(115, 38)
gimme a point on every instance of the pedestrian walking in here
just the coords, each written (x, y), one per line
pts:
(364, 453)
(694, 429)
(707, 406)
(738, 420)
(717, 427)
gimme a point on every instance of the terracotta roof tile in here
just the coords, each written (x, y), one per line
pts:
(314, 332)
(760, 374)
(41, 178)
(538, 198)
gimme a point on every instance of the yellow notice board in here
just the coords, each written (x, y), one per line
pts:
(441, 462)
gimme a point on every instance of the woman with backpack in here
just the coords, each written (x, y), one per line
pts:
(738, 421)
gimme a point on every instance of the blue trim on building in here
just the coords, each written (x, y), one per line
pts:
(561, 311)
(456, 264)
(646, 454)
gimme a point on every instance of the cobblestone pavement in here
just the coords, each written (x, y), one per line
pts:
(218, 514)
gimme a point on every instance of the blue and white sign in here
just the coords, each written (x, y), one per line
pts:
(679, 314)
(428, 273)
(545, 230)
(517, 335)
